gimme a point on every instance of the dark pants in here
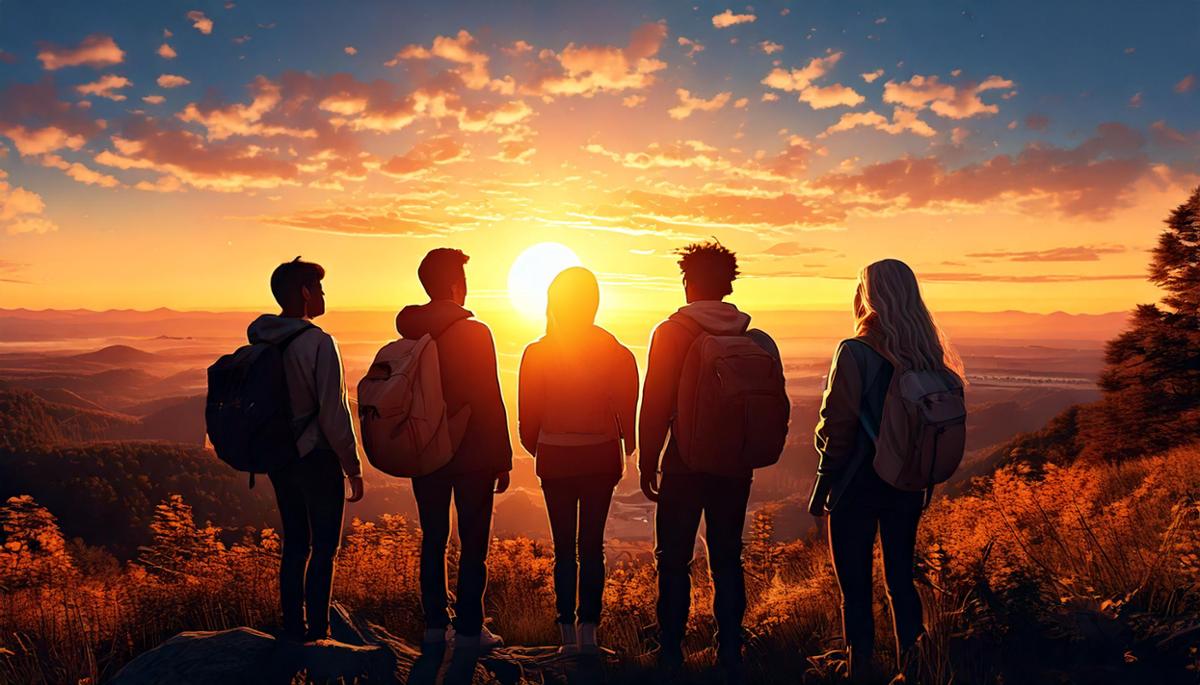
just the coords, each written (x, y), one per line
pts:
(311, 499)
(473, 496)
(722, 501)
(852, 531)
(578, 509)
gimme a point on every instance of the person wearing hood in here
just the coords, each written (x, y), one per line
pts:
(683, 495)
(577, 404)
(310, 491)
(482, 458)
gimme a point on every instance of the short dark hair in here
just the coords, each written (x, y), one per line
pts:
(709, 267)
(441, 269)
(288, 278)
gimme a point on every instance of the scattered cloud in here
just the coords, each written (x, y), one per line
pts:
(633, 100)
(945, 99)
(799, 79)
(903, 120)
(1136, 101)
(727, 18)
(96, 50)
(461, 50)
(770, 97)
(1186, 84)
(172, 81)
(424, 156)
(200, 22)
(153, 99)
(688, 104)
(793, 248)
(80, 172)
(834, 95)
(871, 76)
(590, 69)
(105, 87)
(1079, 253)
(770, 47)
(350, 50)
(692, 46)
(21, 210)
(167, 52)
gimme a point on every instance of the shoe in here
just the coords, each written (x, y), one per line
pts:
(568, 639)
(587, 639)
(489, 640)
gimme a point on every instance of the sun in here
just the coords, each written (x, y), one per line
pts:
(532, 272)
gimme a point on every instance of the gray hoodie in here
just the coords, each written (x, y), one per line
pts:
(669, 345)
(317, 385)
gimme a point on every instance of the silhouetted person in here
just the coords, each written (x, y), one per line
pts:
(684, 495)
(310, 491)
(577, 402)
(895, 332)
(481, 463)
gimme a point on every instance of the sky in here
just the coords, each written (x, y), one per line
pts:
(1018, 155)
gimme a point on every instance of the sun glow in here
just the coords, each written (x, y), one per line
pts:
(532, 272)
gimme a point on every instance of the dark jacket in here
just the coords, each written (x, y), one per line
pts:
(856, 387)
(669, 345)
(574, 380)
(469, 378)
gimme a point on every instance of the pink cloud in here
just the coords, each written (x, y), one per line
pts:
(167, 52)
(727, 18)
(424, 156)
(945, 99)
(1186, 84)
(200, 22)
(834, 95)
(96, 50)
(688, 104)
(105, 87)
(460, 50)
(799, 79)
(590, 69)
(172, 81)
(903, 120)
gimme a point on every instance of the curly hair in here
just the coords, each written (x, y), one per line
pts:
(709, 266)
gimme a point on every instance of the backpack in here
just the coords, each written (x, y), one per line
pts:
(248, 411)
(922, 431)
(732, 407)
(406, 430)
(579, 409)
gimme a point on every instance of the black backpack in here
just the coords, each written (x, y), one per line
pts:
(248, 413)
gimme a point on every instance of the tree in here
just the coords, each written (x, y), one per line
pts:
(1152, 379)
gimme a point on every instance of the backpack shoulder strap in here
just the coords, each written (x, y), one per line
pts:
(861, 353)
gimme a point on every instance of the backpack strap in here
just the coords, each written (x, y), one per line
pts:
(859, 350)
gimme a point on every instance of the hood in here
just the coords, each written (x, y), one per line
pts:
(416, 320)
(272, 328)
(718, 318)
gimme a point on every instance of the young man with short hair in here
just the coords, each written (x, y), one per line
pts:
(482, 459)
(684, 495)
(310, 491)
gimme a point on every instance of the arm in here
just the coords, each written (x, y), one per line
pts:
(487, 404)
(658, 398)
(626, 397)
(333, 413)
(837, 432)
(529, 402)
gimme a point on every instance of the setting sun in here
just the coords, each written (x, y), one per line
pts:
(532, 272)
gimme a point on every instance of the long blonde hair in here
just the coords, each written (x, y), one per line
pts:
(889, 312)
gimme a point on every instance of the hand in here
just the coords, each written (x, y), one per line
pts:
(650, 486)
(356, 488)
(502, 480)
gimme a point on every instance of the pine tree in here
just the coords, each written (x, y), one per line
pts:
(1152, 380)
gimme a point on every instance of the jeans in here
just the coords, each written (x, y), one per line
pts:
(311, 498)
(852, 530)
(578, 510)
(683, 497)
(473, 496)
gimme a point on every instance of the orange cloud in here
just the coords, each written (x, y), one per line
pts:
(105, 87)
(590, 69)
(834, 95)
(424, 156)
(770, 47)
(172, 81)
(200, 22)
(167, 52)
(154, 99)
(36, 121)
(242, 120)
(1186, 84)
(945, 99)
(350, 50)
(460, 50)
(902, 120)
(80, 173)
(21, 209)
(96, 50)
(871, 76)
(727, 18)
(1080, 253)
(688, 104)
(799, 79)
(692, 46)
(684, 154)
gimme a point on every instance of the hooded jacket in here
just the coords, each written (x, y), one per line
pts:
(669, 345)
(469, 378)
(317, 386)
(577, 382)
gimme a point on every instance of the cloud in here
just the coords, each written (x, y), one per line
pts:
(793, 249)
(200, 22)
(105, 87)
(165, 51)
(425, 155)
(79, 172)
(799, 79)
(10, 269)
(971, 277)
(1037, 122)
(727, 18)
(238, 119)
(692, 46)
(36, 121)
(21, 210)
(633, 100)
(350, 50)
(688, 104)
(97, 50)
(902, 120)
(770, 47)
(834, 95)
(413, 217)
(1186, 84)
(945, 99)
(678, 155)
(1136, 100)
(1090, 180)
(871, 76)
(770, 97)
(172, 81)
(154, 99)
(460, 50)
(959, 135)
(1080, 253)
(519, 47)
(590, 69)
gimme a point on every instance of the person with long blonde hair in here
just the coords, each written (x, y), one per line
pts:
(894, 333)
